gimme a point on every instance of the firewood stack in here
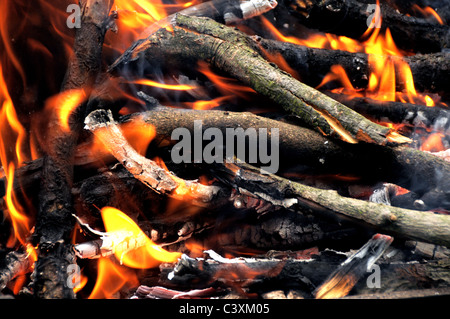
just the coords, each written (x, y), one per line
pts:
(226, 149)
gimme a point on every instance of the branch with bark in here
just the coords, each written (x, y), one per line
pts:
(54, 219)
(233, 52)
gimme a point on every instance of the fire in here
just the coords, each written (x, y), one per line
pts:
(384, 60)
(207, 104)
(135, 16)
(177, 87)
(139, 136)
(336, 288)
(111, 278)
(223, 84)
(428, 12)
(148, 255)
(65, 104)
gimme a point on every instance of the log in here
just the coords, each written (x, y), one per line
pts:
(54, 221)
(232, 51)
(351, 18)
(421, 225)
(431, 72)
(409, 168)
(397, 112)
(15, 263)
(347, 275)
(102, 124)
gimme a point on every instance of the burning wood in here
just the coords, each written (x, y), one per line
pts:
(352, 269)
(313, 108)
(315, 174)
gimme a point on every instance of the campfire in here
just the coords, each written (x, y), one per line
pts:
(224, 149)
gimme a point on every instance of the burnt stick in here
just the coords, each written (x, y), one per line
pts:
(54, 220)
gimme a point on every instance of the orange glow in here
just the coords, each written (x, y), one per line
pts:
(149, 255)
(139, 136)
(433, 143)
(135, 16)
(111, 278)
(225, 85)
(65, 104)
(177, 87)
(327, 41)
(337, 73)
(82, 283)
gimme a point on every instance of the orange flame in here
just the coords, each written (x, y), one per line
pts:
(428, 12)
(207, 104)
(148, 255)
(223, 84)
(111, 278)
(177, 87)
(380, 47)
(65, 104)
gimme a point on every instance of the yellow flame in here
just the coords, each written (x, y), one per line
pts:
(149, 255)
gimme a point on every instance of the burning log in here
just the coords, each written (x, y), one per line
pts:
(102, 124)
(411, 169)
(352, 18)
(396, 112)
(210, 41)
(54, 221)
(425, 226)
(302, 146)
(15, 263)
(223, 11)
(343, 279)
(431, 72)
